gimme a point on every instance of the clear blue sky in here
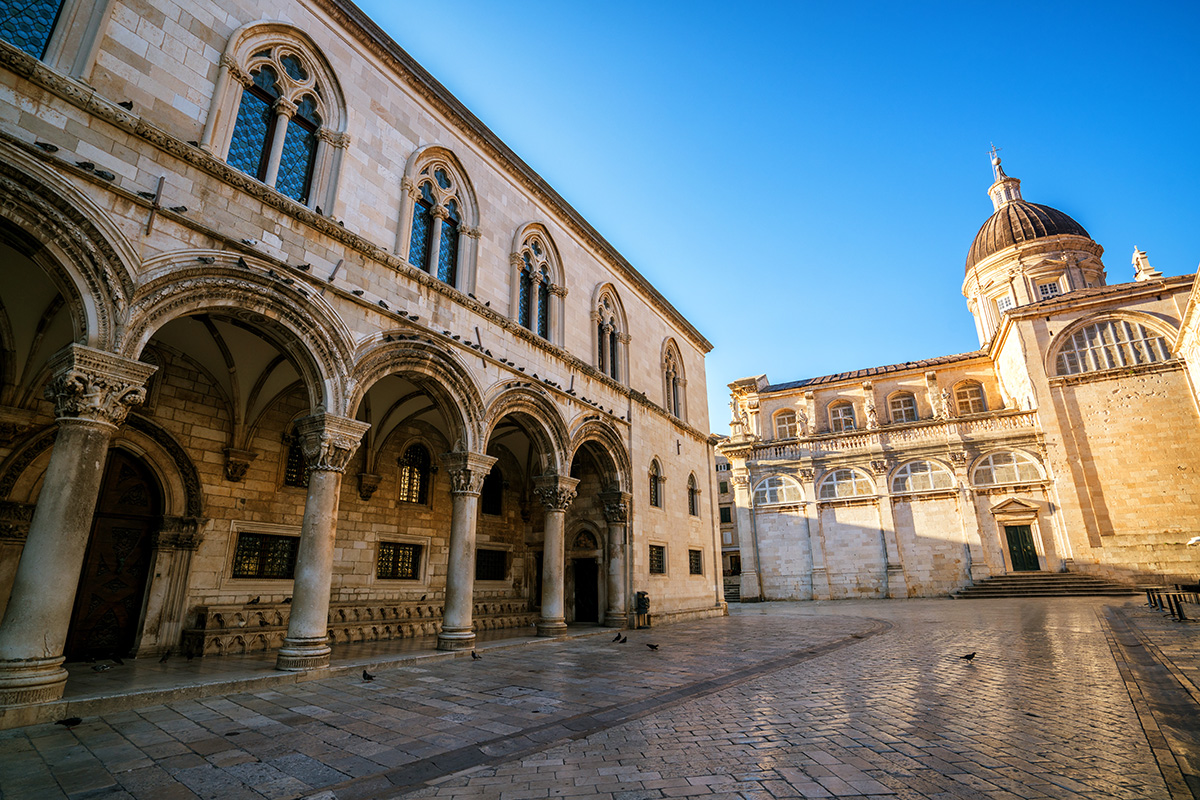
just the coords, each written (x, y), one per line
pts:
(802, 180)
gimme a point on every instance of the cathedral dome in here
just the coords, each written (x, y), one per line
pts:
(1017, 221)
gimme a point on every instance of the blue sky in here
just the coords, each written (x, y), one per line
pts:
(803, 180)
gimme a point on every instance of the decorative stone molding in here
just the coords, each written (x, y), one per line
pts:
(14, 520)
(470, 231)
(95, 386)
(806, 473)
(329, 441)
(367, 484)
(555, 491)
(879, 467)
(958, 458)
(467, 471)
(237, 462)
(179, 533)
(741, 481)
(338, 139)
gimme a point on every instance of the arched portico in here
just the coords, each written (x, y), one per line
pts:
(601, 464)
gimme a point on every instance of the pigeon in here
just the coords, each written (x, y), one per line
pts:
(52, 148)
(263, 623)
(652, 646)
(102, 668)
(968, 657)
(179, 209)
(205, 259)
(69, 722)
(255, 601)
(85, 165)
(475, 656)
(623, 640)
(251, 242)
(233, 733)
(368, 676)
(241, 262)
(287, 601)
(127, 105)
(164, 658)
(617, 638)
(422, 597)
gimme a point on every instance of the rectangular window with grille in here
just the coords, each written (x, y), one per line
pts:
(491, 565)
(695, 563)
(1048, 290)
(1004, 303)
(398, 561)
(658, 559)
(726, 515)
(264, 555)
(724, 487)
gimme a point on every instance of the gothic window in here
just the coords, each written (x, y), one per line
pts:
(1109, 344)
(414, 475)
(1006, 466)
(693, 497)
(295, 469)
(491, 495)
(27, 25)
(263, 555)
(608, 320)
(845, 483)
(922, 476)
(438, 218)
(841, 417)
(655, 485)
(674, 384)
(398, 561)
(969, 398)
(536, 282)
(785, 425)
(775, 490)
(902, 407)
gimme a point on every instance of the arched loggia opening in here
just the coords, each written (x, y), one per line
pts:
(600, 465)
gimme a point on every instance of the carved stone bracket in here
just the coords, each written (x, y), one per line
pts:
(879, 467)
(471, 232)
(555, 491)
(237, 462)
(95, 386)
(958, 458)
(328, 441)
(179, 533)
(367, 484)
(806, 474)
(467, 470)
(616, 507)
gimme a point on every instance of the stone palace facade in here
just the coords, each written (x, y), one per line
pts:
(1070, 441)
(294, 350)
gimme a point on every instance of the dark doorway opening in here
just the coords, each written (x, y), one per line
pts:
(112, 585)
(1020, 548)
(587, 590)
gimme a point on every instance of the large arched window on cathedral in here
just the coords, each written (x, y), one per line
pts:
(1006, 466)
(902, 407)
(674, 382)
(278, 114)
(841, 417)
(693, 496)
(969, 398)
(415, 471)
(439, 218)
(611, 340)
(785, 425)
(1110, 344)
(537, 282)
(843, 483)
(776, 490)
(922, 476)
(656, 481)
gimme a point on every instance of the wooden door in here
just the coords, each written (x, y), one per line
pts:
(1020, 548)
(587, 589)
(108, 602)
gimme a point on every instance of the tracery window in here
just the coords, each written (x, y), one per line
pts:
(1006, 466)
(414, 474)
(27, 25)
(969, 398)
(922, 476)
(608, 323)
(845, 483)
(902, 407)
(536, 282)
(841, 417)
(1108, 344)
(693, 497)
(674, 384)
(785, 425)
(655, 485)
(777, 489)
(435, 225)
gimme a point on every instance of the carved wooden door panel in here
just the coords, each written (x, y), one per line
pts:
(1020, 548)
(108, 603)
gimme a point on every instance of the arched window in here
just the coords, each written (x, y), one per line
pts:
(608, 321)
(693, 497)
(295, 468)
(278, 115)
(845, 483)
(785, 425)
(841, 417)
(776, 490)
(655, 485)
(902, 407)
(537, 290)
(1006, 466)
(438, 218)
(674, 383)
(491, 494)
(922, 476)
(969, 398)
(27, 25)
(62, 33)
(1109, 344)
(414, 474)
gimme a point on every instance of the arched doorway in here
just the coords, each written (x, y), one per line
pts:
(585, 562)
(112, 585)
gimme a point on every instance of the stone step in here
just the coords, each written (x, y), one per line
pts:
(1045, 584)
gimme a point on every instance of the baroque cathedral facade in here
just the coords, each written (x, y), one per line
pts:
(295, 352)
(1070, 441)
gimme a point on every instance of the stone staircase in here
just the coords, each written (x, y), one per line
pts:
(1044, 584)
(733, 589)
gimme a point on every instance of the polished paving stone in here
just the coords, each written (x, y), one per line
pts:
(1065, 698)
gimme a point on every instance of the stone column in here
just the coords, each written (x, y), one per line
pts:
(616, 514)
(440, 215)
(92, 392)
(535, 298)
(605, 350)
(284, 109)
(467, 471)
(328, 442)
(751, 589)
(556, 493)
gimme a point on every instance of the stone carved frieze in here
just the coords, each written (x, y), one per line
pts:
(96, 386)
(329, 441)
(555, 491)
(467, 471)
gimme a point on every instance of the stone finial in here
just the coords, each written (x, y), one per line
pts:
(1142, 271)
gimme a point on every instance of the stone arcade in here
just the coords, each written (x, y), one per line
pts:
(293, 350)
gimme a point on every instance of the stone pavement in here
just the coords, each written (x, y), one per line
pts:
(1066, 698)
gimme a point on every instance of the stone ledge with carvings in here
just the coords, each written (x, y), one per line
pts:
(240, 628)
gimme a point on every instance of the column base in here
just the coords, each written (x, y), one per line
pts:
(616, 619)
(456, 639)
(299, 655)
(29, 681)
(551, 627)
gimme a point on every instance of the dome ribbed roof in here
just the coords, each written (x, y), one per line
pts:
(1019, 221)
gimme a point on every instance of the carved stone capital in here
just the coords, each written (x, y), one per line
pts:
(740, 481)
(285, 108)
(367, 484)
(958, 458)
(237, 462)
(555, 491)
(616, 507)
(558, 291)
(338, 139)
(624, 338)
(179, 533)
(806, 473)
(466, 470)
(235, 70)
(516, 260)
(440, 212)
(470, 231)
(95, 386)
(328, 441)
